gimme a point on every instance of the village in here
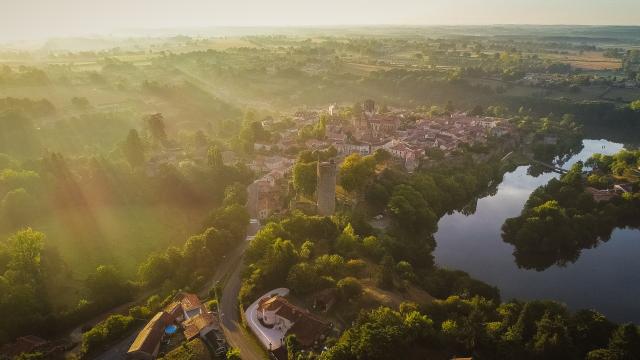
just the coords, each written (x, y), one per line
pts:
(409, 138)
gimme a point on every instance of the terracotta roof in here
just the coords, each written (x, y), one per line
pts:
(148, 339)
(270, 304)
(174, 309)
(193, 326)
(282, 307)
(308, 329)
(189, 301)
(306, 326)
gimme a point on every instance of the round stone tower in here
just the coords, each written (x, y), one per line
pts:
(326, 189)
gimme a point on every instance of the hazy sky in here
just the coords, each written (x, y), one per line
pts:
(23, 19)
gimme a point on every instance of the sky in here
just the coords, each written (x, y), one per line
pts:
(30, 19)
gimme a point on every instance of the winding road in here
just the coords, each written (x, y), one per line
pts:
(235, 334)
(230, 268)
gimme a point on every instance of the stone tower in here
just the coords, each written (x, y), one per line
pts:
(326, 189)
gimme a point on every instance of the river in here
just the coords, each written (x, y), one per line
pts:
(605, 278)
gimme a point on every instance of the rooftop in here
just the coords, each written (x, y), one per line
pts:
(148, 339)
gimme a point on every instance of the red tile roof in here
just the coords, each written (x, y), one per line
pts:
(306, 326)
(193, 326)
(189, 301)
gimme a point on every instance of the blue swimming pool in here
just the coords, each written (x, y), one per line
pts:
(171, 329)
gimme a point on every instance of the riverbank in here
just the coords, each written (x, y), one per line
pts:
(604, 278)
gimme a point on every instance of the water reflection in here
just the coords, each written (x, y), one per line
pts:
(606, 277)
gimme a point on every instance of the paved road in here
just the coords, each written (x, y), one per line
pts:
(76, 333)
(230, 265)
(233, 331)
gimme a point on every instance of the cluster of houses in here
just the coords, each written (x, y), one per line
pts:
(397, 131)
(185, 317)
(265, 193)
(405, 140)
(553, 79)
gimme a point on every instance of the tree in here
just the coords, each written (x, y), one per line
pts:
(293, 347)
(635, 105)
(590, 330)
(604, 354)
(235, 193)
(348, 242)
(106, 331)
(133, 149)
(383, 333)
(107, 286)
(626, 341)
(303, 278)
(155, 270)
(385, 279)
(349, 288)
(330, 265)
(357, 171)
(306, 249)
(381, 155)
(411, 211)
(449, 108)
(18, 207)
(305, 177)
(552, 340)
(156, 127)
(25, 248)
(214, 158)
(80, 102)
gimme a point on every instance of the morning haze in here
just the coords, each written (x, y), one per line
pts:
(319, 180)
(28, 19)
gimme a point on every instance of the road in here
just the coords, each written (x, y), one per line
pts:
(76, 333)
(229, 267)
(237, 336)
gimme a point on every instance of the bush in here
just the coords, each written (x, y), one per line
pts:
(114, 327)
(233, 354)
(349, 288)
(193, 350)
(356, 267)
(212, 305)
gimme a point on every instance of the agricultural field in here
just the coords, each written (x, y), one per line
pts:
(590, 60)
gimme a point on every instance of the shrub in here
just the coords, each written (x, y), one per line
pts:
(114, 327)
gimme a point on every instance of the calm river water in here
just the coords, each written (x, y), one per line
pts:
(605, 278)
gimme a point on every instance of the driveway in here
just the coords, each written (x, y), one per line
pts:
(269, 337)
